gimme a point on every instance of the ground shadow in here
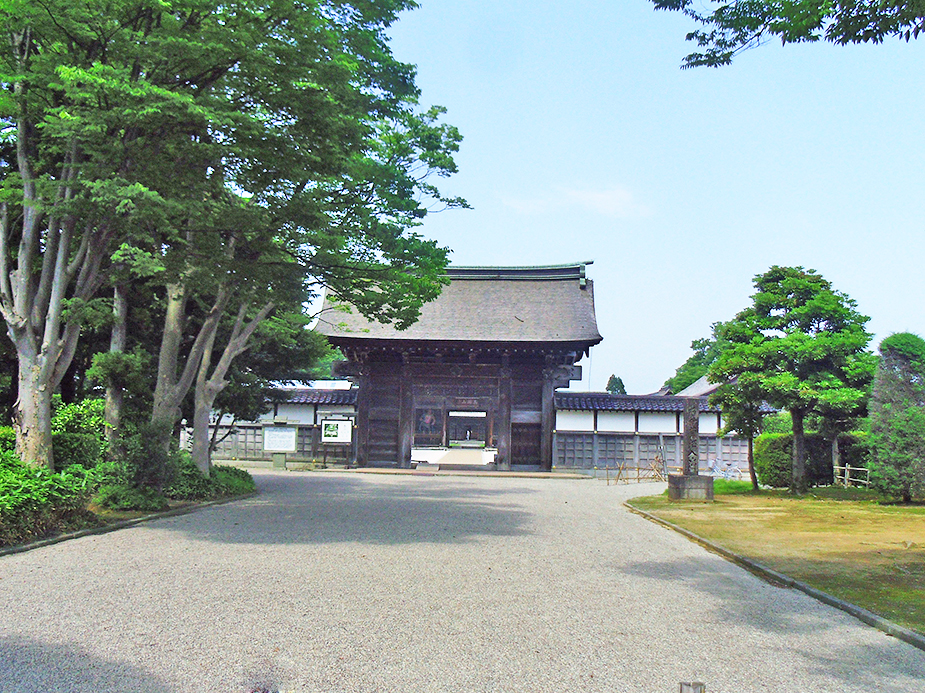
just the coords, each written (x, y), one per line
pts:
(890, 666)
(28, 666)
(324, 509)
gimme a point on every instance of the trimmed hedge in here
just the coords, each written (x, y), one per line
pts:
(774, 459)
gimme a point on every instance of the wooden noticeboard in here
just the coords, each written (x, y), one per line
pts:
(279, 439)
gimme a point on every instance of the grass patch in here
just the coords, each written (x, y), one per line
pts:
(841, 541)
(730, 486)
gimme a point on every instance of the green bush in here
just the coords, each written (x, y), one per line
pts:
(853, 448)
(774, 459)
(84, 449)
(188, 482)
(7, 439)
(125, 497)
(147, 463)
(35, 501)
(78, 433)
(86, 416)
(233, 481)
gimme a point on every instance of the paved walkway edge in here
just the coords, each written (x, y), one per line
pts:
(772, 576)
(121, 524)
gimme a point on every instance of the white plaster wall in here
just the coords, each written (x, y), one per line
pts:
(708, 423)
(657, 422)
(295, 412)
(616, 421)
(574, 420)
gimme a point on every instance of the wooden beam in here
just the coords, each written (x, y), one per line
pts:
(504, 421)
(405, 420)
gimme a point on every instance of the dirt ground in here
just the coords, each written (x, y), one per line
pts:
(866, 553)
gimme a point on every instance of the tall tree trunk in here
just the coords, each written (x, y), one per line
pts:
(836, 460)
(751, 462)
(32, 414)
(209, 386)
(115, 392)
(798, 484)
(172, 386)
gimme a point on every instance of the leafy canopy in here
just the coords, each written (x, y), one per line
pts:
(897, 418)
(800, 346)
(706, 351)
(733, 26)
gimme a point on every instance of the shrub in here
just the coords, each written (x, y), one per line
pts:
(124, 497)
(35, 501)
(7, 439)
(85, 416)
(774, 459)
(188, 482)
(853, 448)
(82, 449)
(897, 418)
(147, 463)
(233, 481)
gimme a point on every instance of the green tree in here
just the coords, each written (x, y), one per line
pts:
(615, 386)
(706, 351)
(189, 128)
(743, 407)
(801, 344)
(897, 418)
(737, 25)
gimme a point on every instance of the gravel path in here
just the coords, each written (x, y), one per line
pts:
(361, 582)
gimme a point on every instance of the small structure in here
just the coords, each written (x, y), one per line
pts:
(472, 382)
(600, 431)
(689, 485)
(302, 413)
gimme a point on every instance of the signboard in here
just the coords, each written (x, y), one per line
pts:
(336, 431)
(279, 438)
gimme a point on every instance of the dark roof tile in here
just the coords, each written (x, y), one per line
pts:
(604, 401)
(308, 395)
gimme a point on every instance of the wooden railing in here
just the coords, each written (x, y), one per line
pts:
(845, 476)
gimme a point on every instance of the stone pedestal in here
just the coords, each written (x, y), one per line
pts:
(279, 460)
(690, 487)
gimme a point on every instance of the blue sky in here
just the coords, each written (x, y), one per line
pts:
(585, 141)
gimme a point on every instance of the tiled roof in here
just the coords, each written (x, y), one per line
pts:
(489, 304)
(604, 401)
(308, 395)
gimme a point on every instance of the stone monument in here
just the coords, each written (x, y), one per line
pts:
(689, 485)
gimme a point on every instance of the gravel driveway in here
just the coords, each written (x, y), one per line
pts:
(362, 582)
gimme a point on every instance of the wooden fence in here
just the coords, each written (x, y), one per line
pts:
(847, 476)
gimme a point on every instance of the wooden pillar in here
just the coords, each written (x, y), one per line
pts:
(315, 440)
(405, 419)
(548, 419)
(595, 442)
(503, 458)
(363, 417)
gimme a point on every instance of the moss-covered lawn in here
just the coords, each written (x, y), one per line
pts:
(843, 542)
